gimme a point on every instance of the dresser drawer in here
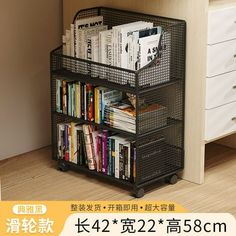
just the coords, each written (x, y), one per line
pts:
(221, 58)
(220, 90)
(221, 25)
(220, 121)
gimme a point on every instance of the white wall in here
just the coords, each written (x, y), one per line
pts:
(29, 29)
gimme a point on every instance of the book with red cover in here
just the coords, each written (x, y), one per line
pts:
(99, 149)
(90, 102)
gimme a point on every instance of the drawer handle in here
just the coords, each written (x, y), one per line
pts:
(234, 119)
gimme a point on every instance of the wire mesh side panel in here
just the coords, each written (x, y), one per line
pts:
(56, 63)
(170, 62)
(178, 44)
(159, 71)
(160, 108)
(53, 93)
(62, 63)
(160, 154)
(53, 108)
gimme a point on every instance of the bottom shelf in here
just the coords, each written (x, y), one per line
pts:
(136, 189)
(85, 170)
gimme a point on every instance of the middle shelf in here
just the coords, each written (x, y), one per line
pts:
(134, 115)
(170, 122)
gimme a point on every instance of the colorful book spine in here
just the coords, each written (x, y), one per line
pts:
(73, 144)
(60, 128)
(90, 103)
(82, 102)
(73, 100)
(109, 169)
(69, 142)
(61, 98)
(66, 144)
(97, 153)
(78, 146)
(85, 160)
(96, 104)
(128, 148)
(94, 137)
(104, 151)
(99, 148)
(117, 159)
(89, 147)
(126, 159)
(83, 154)
(113, 154)
(85, 102)
(78, 100)
(64, 98)
(134, 165)
(68, 99)
(100, 107)
(58, 95)
(121, 160)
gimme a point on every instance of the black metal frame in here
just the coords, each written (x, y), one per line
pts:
(163, 82)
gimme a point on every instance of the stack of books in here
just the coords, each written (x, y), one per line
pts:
(102, 151)
(121, 116)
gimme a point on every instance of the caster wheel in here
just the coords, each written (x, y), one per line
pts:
(139, 193)
(63, 167)
(173, 179)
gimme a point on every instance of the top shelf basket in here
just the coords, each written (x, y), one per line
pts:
(167, 67)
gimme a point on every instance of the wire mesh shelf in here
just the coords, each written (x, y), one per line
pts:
(159, 133)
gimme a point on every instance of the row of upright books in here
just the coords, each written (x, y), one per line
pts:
(98, 104)
(107, 106)
(83, 100)
(102, 151)
(130, 46)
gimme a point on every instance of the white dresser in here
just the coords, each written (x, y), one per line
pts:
(220, 114)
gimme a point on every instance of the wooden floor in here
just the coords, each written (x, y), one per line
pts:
(33, 176)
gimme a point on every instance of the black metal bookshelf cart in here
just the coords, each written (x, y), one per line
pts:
(159, 137)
